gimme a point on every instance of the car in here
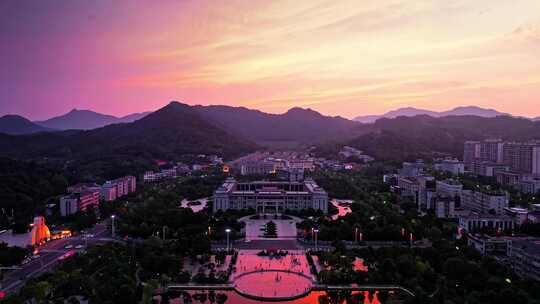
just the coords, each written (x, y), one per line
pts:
(79, 246)
(68, 246)
(35, 256)
(66, 255)
(25, 261)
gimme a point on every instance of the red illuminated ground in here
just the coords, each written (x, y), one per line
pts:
(273, 284)
(272, 277)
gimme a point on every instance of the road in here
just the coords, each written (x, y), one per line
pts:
(50, 255)
(259, 244)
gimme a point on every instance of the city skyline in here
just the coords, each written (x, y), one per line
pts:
(337, 58)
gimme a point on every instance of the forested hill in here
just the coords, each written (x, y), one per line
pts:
(408, 138)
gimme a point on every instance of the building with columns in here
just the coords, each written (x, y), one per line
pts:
(270, 196)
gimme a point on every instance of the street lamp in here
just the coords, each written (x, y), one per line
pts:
(316, 247)
(112, 225)
(228, 231)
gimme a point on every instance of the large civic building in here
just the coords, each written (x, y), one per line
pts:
(270, 197)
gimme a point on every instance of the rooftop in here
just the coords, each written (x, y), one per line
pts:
(531, 246)
(451, 182)
(270, 187)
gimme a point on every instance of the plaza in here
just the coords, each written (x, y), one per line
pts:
(286, 228)
(272, 277)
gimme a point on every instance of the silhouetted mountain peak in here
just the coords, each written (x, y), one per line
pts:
(13, 117)
(302, 113)
(410, 111)
(82, 119)
(18, 125)
(176, 104)
(297, 125)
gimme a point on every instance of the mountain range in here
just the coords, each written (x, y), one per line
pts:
(86, 120)
(424, 136)
(409, 112)
(296, 125)
(179, 130)
(168, 133)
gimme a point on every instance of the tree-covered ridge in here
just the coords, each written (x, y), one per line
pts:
(25, 188)
(169, 133)
(409, 138)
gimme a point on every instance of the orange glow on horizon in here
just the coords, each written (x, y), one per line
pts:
(344, 58)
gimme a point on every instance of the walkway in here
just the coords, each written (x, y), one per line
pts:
(286, 229)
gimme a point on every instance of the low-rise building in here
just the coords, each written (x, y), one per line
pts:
(520, 215)
(412, 169)
(525, 258)
(79, 202)
(508, 178)
(409, 186)
(124, 185)
(390, 179)
(452, 166)
(485, 200)
(81, 187)
(151, 176)
(450, 187)
(88, 199)
(108, 192)
(533, 217)
(489, 245)
(487, 168)
(257, 168)
(445, 207)
(476, 222)
(293, 175)
(69, 205)
(530, 184)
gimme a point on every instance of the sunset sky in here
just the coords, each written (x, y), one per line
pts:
(345, 58)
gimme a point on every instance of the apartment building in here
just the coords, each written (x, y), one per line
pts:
(484, 200)
(523, 157)
(445, 207)
(489, 245)
(123, 186)
(453, 166)
(525, 258)
(79, 202)
(151, 176)
(471, 153)
(476, 222)
(449, 187)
